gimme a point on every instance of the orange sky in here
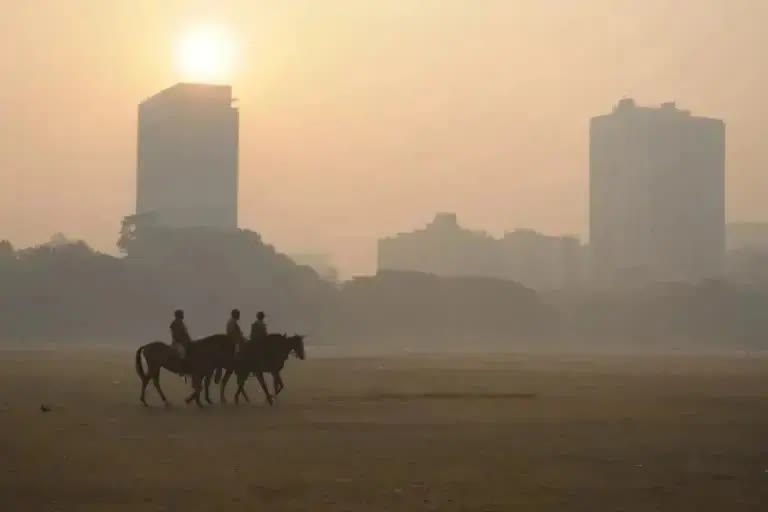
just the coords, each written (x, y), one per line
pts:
(362, 118)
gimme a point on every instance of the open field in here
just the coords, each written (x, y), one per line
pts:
(419, 432)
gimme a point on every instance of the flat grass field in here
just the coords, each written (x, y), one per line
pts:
(512, 432)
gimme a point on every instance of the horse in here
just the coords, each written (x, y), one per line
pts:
(204, 358)
(230, 369)
(258, 359)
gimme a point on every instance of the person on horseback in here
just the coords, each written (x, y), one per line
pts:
(180, 339)
(233, 329)
(259, 328)
(259, 334)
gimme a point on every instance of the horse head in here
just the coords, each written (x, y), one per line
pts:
(296, 344)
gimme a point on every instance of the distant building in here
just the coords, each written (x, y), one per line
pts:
(445, 248)
(187, 166)
(747, 258)
(320, 263)
(657, 194)
(747, 235)
(540, 261)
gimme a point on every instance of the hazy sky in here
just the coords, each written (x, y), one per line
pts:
(361, 118)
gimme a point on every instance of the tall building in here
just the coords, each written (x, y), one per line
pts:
(657, 194)
(187, 167)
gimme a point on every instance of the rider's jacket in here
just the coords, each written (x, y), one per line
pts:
(258, 330)
(233, 330)
(179, 333)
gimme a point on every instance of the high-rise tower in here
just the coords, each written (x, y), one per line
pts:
(187, 168)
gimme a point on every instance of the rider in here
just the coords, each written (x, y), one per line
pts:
(180, 338)
(259, 328)
(259, 331)
(259, 334)
(233, 329)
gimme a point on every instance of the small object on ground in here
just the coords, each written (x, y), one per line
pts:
(45, 408)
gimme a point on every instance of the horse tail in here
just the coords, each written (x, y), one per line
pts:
(139, 366)
(217, 376)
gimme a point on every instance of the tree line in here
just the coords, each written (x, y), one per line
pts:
(64, 291)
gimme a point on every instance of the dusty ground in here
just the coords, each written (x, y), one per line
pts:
(485, 433)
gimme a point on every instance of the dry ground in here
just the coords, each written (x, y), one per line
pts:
(491, 433)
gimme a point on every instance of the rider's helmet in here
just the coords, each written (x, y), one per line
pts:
(178, 314)
(260, 315)
(236, 314)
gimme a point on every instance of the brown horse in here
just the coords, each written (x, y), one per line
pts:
(204, 357)
(268, 357)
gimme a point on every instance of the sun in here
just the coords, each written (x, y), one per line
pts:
(206, 54)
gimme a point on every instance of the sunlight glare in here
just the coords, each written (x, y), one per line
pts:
(206, 55)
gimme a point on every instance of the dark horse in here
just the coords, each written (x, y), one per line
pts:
(268, 357)
(204, 357)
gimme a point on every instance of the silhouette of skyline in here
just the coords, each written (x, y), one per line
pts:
(364, 132)
(445, 248)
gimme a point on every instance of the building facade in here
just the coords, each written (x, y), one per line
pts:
(445, 248)
(657, 195)
(320, 263)
(187, 165)
(541, 261)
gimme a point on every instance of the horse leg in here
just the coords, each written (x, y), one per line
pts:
(260, 376)
(156, 382)
(144, 381)
(153, 372)
(277, 380)
(241, 377)
(207, 387)
(242, 387)
(223, 388)
(197, 383)
(194, 391)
